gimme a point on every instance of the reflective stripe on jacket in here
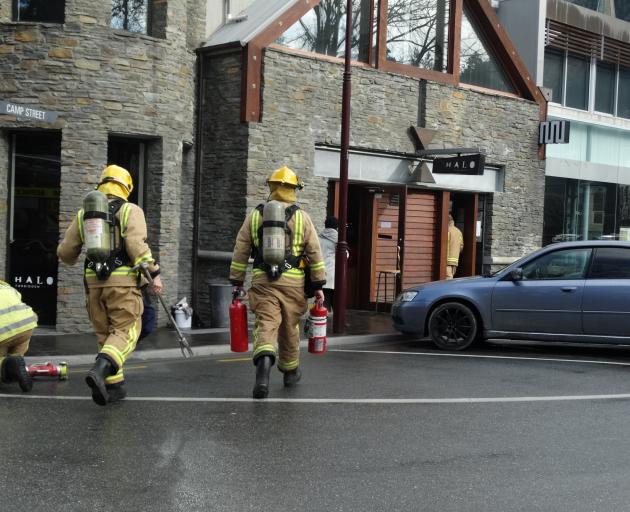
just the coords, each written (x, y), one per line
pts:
(305, 241)
(15, 316)
(133, 229)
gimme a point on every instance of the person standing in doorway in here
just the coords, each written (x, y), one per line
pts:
(455, 247)
(114, 300)
(328, 242)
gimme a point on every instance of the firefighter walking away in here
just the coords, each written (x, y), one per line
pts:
(282, 240)
(114, 232)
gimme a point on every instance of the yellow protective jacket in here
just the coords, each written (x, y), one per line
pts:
(455, 245)
(305, 242)
(15, 316)
(133, 228)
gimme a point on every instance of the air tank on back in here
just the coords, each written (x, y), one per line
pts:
(96, 228)
(273, 237)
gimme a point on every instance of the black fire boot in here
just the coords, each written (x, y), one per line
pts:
(292, 377)
(115, 392)
(96, 379)
(263, 367)
(14, 370)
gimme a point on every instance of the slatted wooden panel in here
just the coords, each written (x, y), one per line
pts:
(385, 256)
(421, 226)
(565, 37)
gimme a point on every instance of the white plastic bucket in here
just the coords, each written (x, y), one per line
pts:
(182, 321)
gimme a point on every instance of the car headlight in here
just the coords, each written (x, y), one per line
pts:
(406, 296)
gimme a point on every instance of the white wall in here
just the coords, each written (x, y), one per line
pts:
(524, 21)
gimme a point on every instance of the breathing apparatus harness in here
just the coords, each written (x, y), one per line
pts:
(290, 260)
(118, 255)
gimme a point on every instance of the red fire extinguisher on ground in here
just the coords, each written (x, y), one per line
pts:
(238, 324)
(48, 369)
(316, 328)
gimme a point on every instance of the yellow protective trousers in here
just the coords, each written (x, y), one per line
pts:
(116, 315)
(278, 310)
(15, 345)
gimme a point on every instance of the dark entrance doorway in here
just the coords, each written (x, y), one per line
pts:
(34, 220)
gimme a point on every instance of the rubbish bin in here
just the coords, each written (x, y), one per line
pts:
(220, 300)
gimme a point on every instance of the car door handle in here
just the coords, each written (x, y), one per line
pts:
(569, 288)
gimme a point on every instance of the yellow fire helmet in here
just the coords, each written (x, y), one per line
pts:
(115, 181)
(285, 176)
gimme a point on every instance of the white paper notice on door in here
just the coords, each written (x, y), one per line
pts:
(386, 225)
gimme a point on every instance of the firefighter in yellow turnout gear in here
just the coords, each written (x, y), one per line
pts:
(278, 301)
(17, 321)
(114, 301)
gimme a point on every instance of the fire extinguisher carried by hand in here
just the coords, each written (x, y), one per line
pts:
(48, 369)
(316, 328)
(238, 323)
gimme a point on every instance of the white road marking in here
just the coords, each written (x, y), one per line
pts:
(381, 401)
(480, 356)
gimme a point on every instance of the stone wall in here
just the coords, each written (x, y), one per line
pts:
(104, 81)
(223, 198)
(302, 107)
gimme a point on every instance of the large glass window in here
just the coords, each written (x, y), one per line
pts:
(605, 88)
(623, 102)
(417, 33)
(478, 65)
(595, 5)
(45, 11)
(622, 9)
(578, 69)
(323, 30)
(131, 15)
(554, 74)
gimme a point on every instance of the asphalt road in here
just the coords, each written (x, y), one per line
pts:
(392, 426)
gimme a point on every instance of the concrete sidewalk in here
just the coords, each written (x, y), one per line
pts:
(163, 343)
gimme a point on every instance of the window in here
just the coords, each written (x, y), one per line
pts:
(605, 88)
(554, 75)
(45, 11)
(323, 30)
(622, 9)
(478, 65)
(131, 15)
(578, 69)
(623, 101)
(129, 153)
(564, 264)
(611, 263)
(417, 33)
(595, 5)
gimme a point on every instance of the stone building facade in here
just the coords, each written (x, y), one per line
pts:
(105, 85)
(301, 109)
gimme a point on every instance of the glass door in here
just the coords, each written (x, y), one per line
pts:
(34, 220)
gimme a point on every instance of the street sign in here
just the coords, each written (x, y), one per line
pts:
(461, 164)
(24, 111)
(554, 132)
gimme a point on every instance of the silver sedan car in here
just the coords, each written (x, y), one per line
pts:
(572, 291)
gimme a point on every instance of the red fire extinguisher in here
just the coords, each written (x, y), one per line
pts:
(48, 369)
(316, 328)
(238, 324)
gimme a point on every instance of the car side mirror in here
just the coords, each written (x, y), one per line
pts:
(516, 274)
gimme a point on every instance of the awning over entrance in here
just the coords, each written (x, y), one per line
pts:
(394, 169)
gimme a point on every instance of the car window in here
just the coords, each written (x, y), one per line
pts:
(563, 264)
(611, 263)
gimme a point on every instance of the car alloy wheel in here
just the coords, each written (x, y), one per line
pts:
(453, 326)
